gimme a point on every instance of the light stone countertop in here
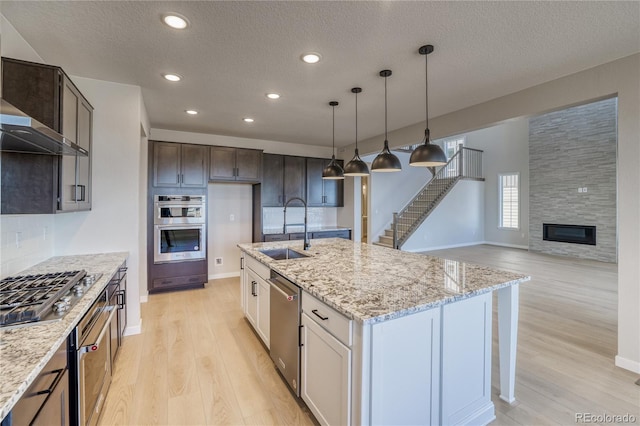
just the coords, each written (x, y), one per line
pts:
(295, 229)
(25, 351)
(370, 284)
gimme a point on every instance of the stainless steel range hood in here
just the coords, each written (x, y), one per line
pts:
(21, 133)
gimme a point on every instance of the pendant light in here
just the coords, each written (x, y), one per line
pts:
(427, 154)
(333, 170)
(386, 161)
(356, 167)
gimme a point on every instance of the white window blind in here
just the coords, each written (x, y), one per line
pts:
(509, 200)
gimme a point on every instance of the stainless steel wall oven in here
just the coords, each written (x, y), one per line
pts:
(179, 228)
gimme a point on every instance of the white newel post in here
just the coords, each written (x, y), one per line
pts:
(508, 340)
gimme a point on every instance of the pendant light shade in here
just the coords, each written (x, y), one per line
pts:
(386, 161)
(356, 167)
(333, 169)
(427, 154)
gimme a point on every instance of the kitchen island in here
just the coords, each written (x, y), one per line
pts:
(390, 337)
(26, 350)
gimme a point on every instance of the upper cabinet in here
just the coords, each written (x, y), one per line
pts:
(54, 183)
(284, 178)
(177, 165)
(235, 164)
(323, 192)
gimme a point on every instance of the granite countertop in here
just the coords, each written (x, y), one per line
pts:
(369, 283)
(26, 350)
(295, 229)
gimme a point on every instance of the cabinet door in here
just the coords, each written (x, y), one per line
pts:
(295, 178)
(243, 282)
(222, 163)
(315, 192)
(272, 180)
(194, 166)
(85, 127)
(263, 310)
(248, 165)
(251, 307)
(70, 101)
(166, 164)
(333, 190)
(67, 183)
(325, 375)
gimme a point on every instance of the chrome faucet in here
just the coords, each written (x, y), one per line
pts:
(284, 228)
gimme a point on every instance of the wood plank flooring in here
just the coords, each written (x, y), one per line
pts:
(197, 361)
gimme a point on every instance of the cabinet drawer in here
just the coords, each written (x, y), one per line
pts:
(297, 236)
(172, 282)
(275, 237)
(332, 234)
(328, 318)
(260, 269)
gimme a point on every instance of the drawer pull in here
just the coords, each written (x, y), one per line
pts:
(315, 312)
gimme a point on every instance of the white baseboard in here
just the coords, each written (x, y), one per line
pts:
(134, 329)
(144, 298)
(474, 243)
(495, 243)
(225, 275)
(628, 364)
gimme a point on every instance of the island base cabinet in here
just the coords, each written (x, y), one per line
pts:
(466, 362)
(256, 297)
(325, 374)
(405, 359)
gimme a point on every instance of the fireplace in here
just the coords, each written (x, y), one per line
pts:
(576, 234)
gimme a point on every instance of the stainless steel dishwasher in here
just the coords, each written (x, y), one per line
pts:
(285, 326)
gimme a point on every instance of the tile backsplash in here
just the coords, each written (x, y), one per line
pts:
(25, 241)
(273, 217)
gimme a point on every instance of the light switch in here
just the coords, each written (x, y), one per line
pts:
(580, 190)
(232, 218)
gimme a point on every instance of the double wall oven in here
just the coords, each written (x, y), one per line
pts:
(179, 228)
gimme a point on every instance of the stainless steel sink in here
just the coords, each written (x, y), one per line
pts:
(283, 254)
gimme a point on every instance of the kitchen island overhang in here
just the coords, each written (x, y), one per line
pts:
(411, 312)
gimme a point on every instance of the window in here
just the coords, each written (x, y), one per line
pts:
(509, 200)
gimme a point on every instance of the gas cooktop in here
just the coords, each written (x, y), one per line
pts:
(33, 299)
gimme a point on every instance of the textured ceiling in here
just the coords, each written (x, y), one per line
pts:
(234, 52)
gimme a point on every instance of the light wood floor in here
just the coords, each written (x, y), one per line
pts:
(198, 362)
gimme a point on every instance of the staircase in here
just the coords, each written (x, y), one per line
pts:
(464, 164)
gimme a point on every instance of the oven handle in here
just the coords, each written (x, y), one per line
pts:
(107, 325)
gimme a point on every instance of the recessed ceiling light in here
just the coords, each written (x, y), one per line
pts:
(175, 20)
(172, 77)
(311, 58)
(273, 96)
(247, 120)
(191, 112)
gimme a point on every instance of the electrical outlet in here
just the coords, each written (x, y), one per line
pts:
(232, 218)
(584, 189)
(44, 233)
(218, 261)
(18, 239)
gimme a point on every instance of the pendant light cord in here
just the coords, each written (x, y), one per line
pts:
(356, 122)
(333, 143)
(426, 89)
(385, 108)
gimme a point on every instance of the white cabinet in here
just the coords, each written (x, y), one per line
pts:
(255, 296)
(325, 364)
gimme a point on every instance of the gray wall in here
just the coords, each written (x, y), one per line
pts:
(570, 149)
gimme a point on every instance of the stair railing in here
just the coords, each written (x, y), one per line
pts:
(465, 163)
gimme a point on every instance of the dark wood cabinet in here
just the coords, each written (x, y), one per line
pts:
(272, 180)
(295, 176)
(177, 165)
(343, 233)
(47, 94)
(323, 192)
(284, 177)
(235, 164)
